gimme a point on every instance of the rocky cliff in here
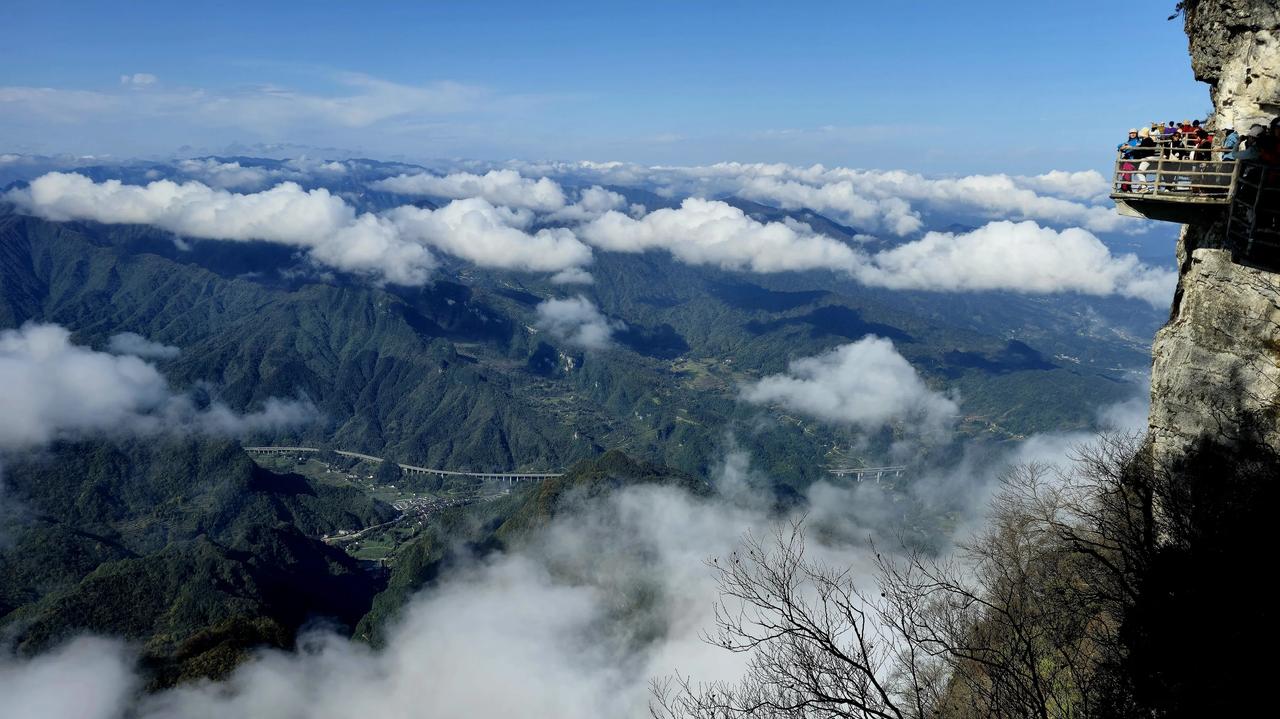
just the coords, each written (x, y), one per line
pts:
(1218, 359)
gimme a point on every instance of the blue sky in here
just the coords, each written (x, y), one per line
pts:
(940, 87)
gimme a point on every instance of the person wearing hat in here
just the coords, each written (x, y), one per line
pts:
(1125, 149)
(1133, 141)
(1252, 143)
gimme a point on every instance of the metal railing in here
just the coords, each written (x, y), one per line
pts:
(1170, 171)
(1255, 207)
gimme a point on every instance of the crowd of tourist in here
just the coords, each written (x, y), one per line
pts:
(1190, 158)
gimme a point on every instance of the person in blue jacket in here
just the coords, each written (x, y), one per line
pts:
(1230, 144)
(1126, 153)
(1133, 141)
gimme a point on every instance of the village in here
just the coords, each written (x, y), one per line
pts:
(416, 502)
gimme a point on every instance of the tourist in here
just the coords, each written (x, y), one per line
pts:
(1126, 149)
(1203, 142)
(1269, 147)
(1251, 151)
(1143, 152)
(1231, 144)
(1133, 141)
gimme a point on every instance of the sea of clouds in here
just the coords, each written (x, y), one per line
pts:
(576, 622)
(1026, 234)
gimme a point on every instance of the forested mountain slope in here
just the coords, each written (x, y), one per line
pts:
(455, 374)
(184, 546)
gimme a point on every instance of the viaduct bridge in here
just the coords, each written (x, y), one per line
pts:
(510, 477)
(861, 473)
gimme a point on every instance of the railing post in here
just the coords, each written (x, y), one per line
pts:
(1253, 214)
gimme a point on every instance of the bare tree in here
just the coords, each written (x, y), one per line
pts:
(1114, 588)
(1012, 614)
(817, 646)
(1014, 623)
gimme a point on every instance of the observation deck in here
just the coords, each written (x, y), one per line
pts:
(1187, 185)
(1173, 184)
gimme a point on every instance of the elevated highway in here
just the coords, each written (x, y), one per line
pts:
(861, 473)
(510, 477)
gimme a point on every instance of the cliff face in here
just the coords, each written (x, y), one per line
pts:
(1235, 45)
(1218, 358)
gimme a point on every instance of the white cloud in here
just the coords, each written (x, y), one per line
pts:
(1085, 186)
(578, 322)
(592, 203)
(1022, 257)
(890, 201)
(132, 343)
(489, 236)
(314, 220)
(233, 175)
(708, 232)
(308, 166)
(138, 79)
(1005, 256)
(395, 246)
(88, 678)
(840, 199)
(573, 276)
(225, 175)
(866, 384)
(391, 247)
(994, 196)
(499, 187)
(55, 389)
(362, 101)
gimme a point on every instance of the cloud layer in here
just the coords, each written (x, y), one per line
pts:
(478, 232)
(1017, 257)
(491, 224)
(500, 187)
(132, 343)
(889, 201)
(315, 220)
(707, 232)
(578, 322)
(393, 247)
(865, 384)
(1022, 257)
(58, 390)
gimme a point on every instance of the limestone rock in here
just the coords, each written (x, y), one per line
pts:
(1219, 355)
(1218, 358)
(1235, 47)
